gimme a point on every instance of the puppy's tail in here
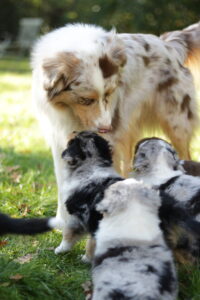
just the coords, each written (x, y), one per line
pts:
(187, 44)
(27, 226)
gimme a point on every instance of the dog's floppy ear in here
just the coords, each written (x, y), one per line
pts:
(74, 153)
(176, 163)
(104, 148)
(114, 57)
(59, 72)
(70, 160)
(117, 52)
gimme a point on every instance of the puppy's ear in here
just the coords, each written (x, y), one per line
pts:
(140, 164)
(69, 159)
(59, 72)
(115, 199)
(178, 165)
(104, 148)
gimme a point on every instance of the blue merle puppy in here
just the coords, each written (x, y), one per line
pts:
(88, 173)
(156, 163)
(132, 260)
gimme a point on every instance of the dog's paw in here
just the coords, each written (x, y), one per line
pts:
(85, 259)
(63, 247)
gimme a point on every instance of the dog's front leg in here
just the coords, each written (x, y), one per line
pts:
(90, 248)
(123, 154)
(72, 232)
(69, 229)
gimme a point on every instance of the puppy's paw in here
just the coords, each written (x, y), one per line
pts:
(85, 259)
(63, 247)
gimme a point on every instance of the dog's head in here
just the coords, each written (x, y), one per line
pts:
(86, 81)
(87, 147)
(119, 197)
(152, 152)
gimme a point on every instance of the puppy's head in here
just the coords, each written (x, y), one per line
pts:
(85, 82)
(119, 197)
(151, 152)
(87, 147)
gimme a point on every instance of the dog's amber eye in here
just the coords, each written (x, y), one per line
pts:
(86, 101)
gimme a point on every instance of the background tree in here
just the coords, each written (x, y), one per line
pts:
(152, 16)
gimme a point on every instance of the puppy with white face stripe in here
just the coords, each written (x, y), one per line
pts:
(157, 164)
(132, 260)
(88, 173)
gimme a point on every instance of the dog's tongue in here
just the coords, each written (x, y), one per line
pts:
(103, 130)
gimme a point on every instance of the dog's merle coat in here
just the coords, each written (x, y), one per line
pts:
(132, 260)
(82, 203)
(87, 78)
(88, 173)
(157, 163)
(10, 225)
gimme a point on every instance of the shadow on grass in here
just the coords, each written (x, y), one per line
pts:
(15, 64)
(35, 161)
(28, 184)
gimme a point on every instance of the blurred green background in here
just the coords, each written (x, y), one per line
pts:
(150, 16)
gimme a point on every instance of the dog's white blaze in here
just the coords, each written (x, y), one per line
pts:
(105, 119)
(136, 223)
(98, 81)
(160, 172)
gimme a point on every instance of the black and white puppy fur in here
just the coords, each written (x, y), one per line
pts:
(132, 259)
(28, 226)
(88, 173)
(157, 164)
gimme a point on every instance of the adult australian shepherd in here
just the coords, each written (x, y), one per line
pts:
(117, 84)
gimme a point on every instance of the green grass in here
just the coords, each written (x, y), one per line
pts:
(28, 188)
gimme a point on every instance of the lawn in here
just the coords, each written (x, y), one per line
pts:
(28, 188)
(29, 269)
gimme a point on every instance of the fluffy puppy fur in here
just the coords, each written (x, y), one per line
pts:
(191, 167)
(87, 78)
(157, 164)
(181, 231)
(132, 260)
(10, 225)
(88, 173)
